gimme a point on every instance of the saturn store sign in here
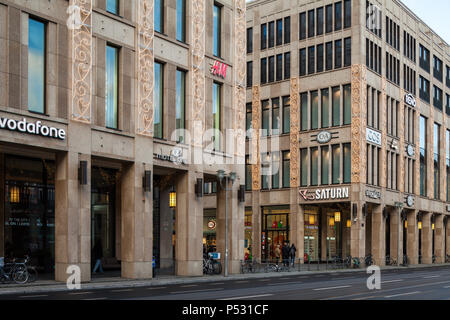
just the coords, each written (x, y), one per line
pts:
(35, 128)
(325, 194)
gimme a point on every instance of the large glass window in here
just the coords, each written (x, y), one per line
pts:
(279, 67)
(325, 108)
(325, 158)
(248, 174)
(304, 111)
(248, 116)
(314, 166)
(276, 120)
(272, 69)
(36, 66)
(265, 125)
(320, 58)
(347, 104)
(286, 114)
(271, 34)
(159, 16)
(336, 164)
(347, 52)
(217, 96)
(311, 60)
(287, 30)
(263, 70)
(158, 101)
(180, 105)
(338, 54)
(112, 6)
(287, 65)
(314, 110)
(302, 27)
(329, 18)
(302, 62)
(249, 40)
(286, 169)
(319, 21)
(347, 13)
(249, 73)
(347, 163)
(181, 20)
(304, 167)
(329, 55)
(337, 16)
(279, 32)
(263, 36)
(336, 107)
(436, 146)
(217, 30)
(311, 24)
(423, 162)
(112, 92)
(276, 170)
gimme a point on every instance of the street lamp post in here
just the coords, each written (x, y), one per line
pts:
(222, 176)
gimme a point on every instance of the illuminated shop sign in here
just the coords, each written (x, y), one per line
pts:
(410, 100)
(325, 194)
(176, 156)
(373, 136)
(35, 128)
(219, 69)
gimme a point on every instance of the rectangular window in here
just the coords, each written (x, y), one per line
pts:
(271, 34)
(338, 54)
(437, 98)
(314, 166)
(158, 100)
(279, 32)
(436, 146)
(287, 30)
(276, 120)
(347, 163)
(447, 79)
(112, 90)
(286, 169)
(437, 68)
(347, 13)
(181, 20)
(279, 67)
(265, 125)
(286, 114)
(216, 110)
(263, 36)
(265, 175)
(347, 52)
(347, 104)
(319, 21)
(159, 16)
(287, 65)
(325, 108)
(180, 105)
(304, 167)
(249, 40)
(249, 73)
(36, 66)
(302, 26)
(304, 112)
(329, 18)
(276, 170)
(424, 89)
(217, 30)
(329, 53)
(325, 167)
(302, 55)
(272, 69)
(311, 60)
(248, 174)
(314, 110)
(447, 145)
(311, 24)
(320, 58)
(263, 70)
(424, 58)
(423, 157)
(112, 6)
(336, 164)
(337, 16)
(336, 107)
(248, 116)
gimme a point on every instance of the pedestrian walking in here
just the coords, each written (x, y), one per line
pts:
(285, 253)
(277, 253)
(98, 255)
(292, 253)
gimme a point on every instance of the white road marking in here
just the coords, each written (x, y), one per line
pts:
(429, 277)
(35, 296)
(390, 281)
(446, 287)
(248, 297)
(189, 286)
(402, 294)
(79, 293)
(330, 288)
(195, 291)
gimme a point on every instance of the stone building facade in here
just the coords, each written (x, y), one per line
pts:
(90, 95)
(355, 100)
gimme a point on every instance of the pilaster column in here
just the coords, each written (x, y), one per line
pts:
(297, 227)
(357, 233)
(396, 239)
(412, 238)
(256, 226)
(2, 205)
(427, 239)
(447, 237)
(439, 238)
(189, 227)
(378, 236)
(72, 216)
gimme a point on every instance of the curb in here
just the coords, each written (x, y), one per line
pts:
(59, 287)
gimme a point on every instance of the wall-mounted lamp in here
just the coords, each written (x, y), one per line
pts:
(331, 222)
(311, 219)
(419, 225)
(364, 211)
(349, 223)
(199, 188)
(147, 181)
(14, 194)
(241, 193)
(337, 216)
(82, 173)
(406, 224)
(172, 199)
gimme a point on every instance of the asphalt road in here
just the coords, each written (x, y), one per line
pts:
(404, 284)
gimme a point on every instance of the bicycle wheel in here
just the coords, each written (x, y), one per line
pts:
(20, 275)
(32, 274)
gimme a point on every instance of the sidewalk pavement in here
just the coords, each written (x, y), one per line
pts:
(113, 283)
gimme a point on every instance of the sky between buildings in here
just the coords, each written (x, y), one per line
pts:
(435, 13)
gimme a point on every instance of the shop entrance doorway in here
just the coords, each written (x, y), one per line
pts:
(275, 231)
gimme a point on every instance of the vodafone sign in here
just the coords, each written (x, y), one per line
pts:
(36, 128)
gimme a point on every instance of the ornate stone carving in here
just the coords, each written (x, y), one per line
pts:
(294, 129)
(383, 126)
(359, 92)
(256, 126)
(239, 68)
(198, 37)
(81, 61)
(145, 68)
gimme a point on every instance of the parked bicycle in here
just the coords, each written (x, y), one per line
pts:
(275, 267)
(248, 266)
(368, 260)
(211, 266)
(390, 261)
(19, 272)
(447, 258)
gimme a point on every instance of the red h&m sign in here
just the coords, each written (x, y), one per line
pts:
(219, 69)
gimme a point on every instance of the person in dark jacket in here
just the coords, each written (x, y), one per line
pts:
(285, 254)
(98, 255)
(292, 253)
